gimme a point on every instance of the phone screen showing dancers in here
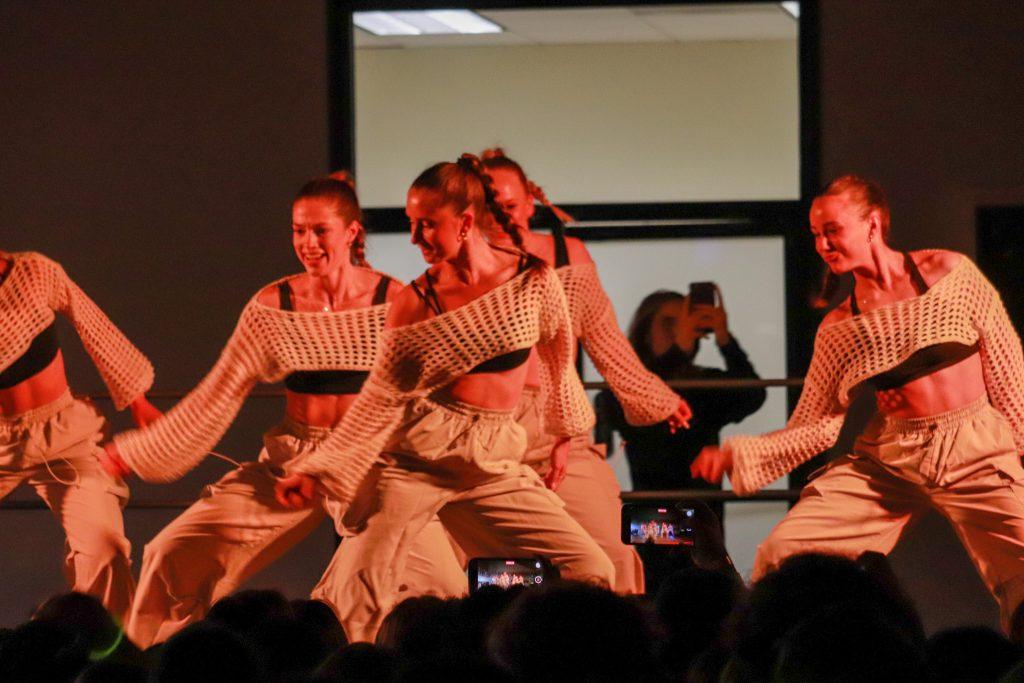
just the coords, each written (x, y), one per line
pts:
(506, 572)
(657, 524)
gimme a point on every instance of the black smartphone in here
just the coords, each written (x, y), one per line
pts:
(506, 572)
(703, 294)
(657, 524)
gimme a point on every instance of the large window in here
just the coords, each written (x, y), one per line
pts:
(663, 103)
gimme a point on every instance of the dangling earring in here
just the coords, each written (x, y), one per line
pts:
(463, 232)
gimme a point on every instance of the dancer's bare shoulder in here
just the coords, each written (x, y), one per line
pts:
(838, 314)
(935, 263)
(577, 250)
(269, 296)
(407, 307)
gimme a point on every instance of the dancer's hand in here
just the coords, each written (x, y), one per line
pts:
(680, 418)
(559, 461)
(143, 412)
(295, 491)
(711, 464)
(111, 462)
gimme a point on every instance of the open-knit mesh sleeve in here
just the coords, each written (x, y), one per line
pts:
(644, 397)
(176, 442)
(812, 429)
(416, 360)
(567, 412)
(127, 373)
(1001, 358)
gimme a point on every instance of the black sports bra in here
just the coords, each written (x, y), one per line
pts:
(506, 361)
(924, 361)
(322, 382)
(39, 355)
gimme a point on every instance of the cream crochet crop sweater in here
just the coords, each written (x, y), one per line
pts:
(961, 307)
(415, 360)
(33, 291)
(645, 398)
(267, 344)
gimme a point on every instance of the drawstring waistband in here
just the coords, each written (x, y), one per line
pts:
(38, 414)
(938, 422)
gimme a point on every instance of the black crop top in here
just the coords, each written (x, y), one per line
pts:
(924, 361)
(506, 361)
(39, 355)
(323, 382)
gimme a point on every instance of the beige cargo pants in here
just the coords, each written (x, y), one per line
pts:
(53, 450)
(963, 464)
(238, 528)
(590, 491)
(461, 464)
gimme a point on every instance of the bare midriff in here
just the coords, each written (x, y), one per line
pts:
(44, 387)
(947, 389)
(490, 390)
(317, 410)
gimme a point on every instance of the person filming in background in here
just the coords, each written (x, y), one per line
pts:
(666, 332)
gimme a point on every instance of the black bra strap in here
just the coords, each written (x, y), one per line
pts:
(915, 277)
(524, 261)
(427, 294)
(915, 274)
(561, 249)
(380, 295)
(284, 292)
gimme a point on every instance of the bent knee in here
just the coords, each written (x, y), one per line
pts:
(100, 546)
(595, 568)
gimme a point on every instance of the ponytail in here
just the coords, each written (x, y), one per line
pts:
(829, 288)
(472, 163)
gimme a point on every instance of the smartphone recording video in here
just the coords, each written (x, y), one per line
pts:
(703, 294)
(657, 524)
(508, 572)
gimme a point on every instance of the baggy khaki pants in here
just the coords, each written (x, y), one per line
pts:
(462, 464)
(53, 449)
(590, 491)
(962, 463)
(237, 528)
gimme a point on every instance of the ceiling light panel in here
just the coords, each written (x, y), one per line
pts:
(424, 22)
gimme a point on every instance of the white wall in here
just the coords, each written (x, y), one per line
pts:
(592, 123)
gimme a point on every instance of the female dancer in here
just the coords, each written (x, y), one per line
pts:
(930, 335)
(580, 474)
(319, 331)
(439, 404)
(48, 438)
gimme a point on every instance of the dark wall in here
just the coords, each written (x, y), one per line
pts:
(928, 98)
(153, 148)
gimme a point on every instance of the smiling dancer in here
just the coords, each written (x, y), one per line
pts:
(318, 331)
(929, 334)
(440, 401)
(580, 474)
(49, 439)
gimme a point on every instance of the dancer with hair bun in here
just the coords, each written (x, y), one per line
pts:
(49, 439)
(929, 335)
(318, 331)
(580, 474)
(440, 404)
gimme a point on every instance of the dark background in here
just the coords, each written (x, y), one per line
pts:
(153, 149)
